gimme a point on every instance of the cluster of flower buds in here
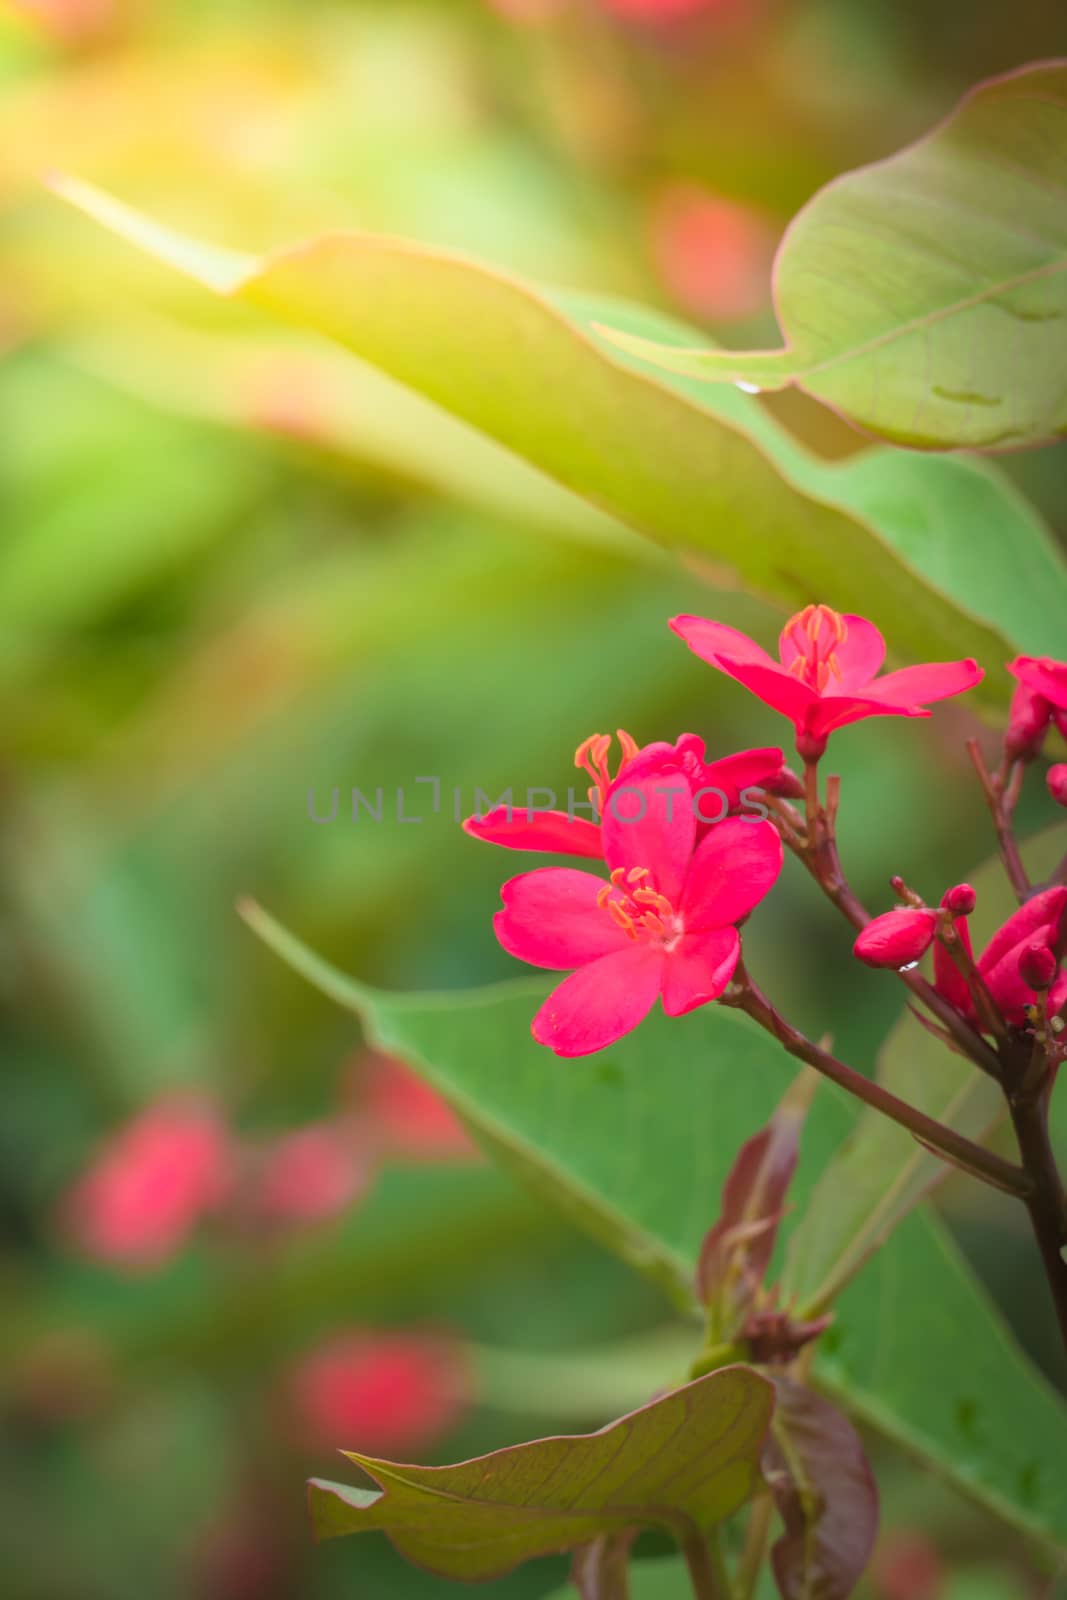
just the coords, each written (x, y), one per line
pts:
(1021, 961)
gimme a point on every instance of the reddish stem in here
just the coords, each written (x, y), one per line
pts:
(1002, 793)
(983, 1163)
(819, 854)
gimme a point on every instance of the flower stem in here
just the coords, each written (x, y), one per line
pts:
(983, 1163)
(756, 1535)
(1046, 1203)
(1001, 793)
(819, 854)
(707, 1574)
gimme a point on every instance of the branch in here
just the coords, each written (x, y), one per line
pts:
(818, 853)
(963, 1152)
(1001, 794)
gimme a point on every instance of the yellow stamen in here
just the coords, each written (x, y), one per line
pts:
(816, 659)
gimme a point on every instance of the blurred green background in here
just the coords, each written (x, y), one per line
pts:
(235, 568)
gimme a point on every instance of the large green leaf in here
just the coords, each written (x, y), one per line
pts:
(926, 296)
(728, 486)
(875, 1179)
(636, 1143)
(686, 1461)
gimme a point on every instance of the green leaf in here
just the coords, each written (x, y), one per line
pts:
(925, 297)
(721, 483)
(875, 1180)
(685, 1462)
(635, 1144)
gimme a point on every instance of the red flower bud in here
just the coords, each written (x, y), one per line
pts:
(1056, 778)
(786, 783)
(898, 938)
(1037, 966)
(1027, 723)
(960, 900)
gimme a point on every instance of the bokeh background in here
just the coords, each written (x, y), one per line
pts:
(236, 568)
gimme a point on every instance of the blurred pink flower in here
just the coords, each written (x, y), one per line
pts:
(308, 1176)
(151, 1183)
(713, 255)
(663, 10)
(908, 1567)
(390, 1393)
(70, 21)
(407, 1118)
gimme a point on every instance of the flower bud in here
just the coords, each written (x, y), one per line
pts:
(960, 900)
(786, 784)
(898, 938)
(1056, 778)
(1027, 723)
(1037, 966)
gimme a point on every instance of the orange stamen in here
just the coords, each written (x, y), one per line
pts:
(816, 659)
(635, 906)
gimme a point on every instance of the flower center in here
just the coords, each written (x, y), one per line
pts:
(591, 756)
(638, 909)
(816, 633)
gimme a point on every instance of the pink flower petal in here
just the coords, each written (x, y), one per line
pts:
(551, 919)
(949, 981)
(732, 870)
(601, 1002)
(1044, 676)
(685, 755)
(1006, 983)
(699, 968)
(1057, 995)
(775, 687)
(917, 686)
(861, 655)
(710, 640)
(839, 710)
(651, 824)
(517, 829)
(748, 769)
(1046, 907)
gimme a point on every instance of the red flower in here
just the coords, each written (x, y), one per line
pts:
(387, 1393)
(1035, 924)
(718, 788)
(151, 1184)
(1047, 679)
(825, 677)
(309, 1176)
(664, 926)
(408, 1119)
(714, 255)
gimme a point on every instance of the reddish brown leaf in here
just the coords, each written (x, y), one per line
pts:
(817, 1470)
(738, 1249)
